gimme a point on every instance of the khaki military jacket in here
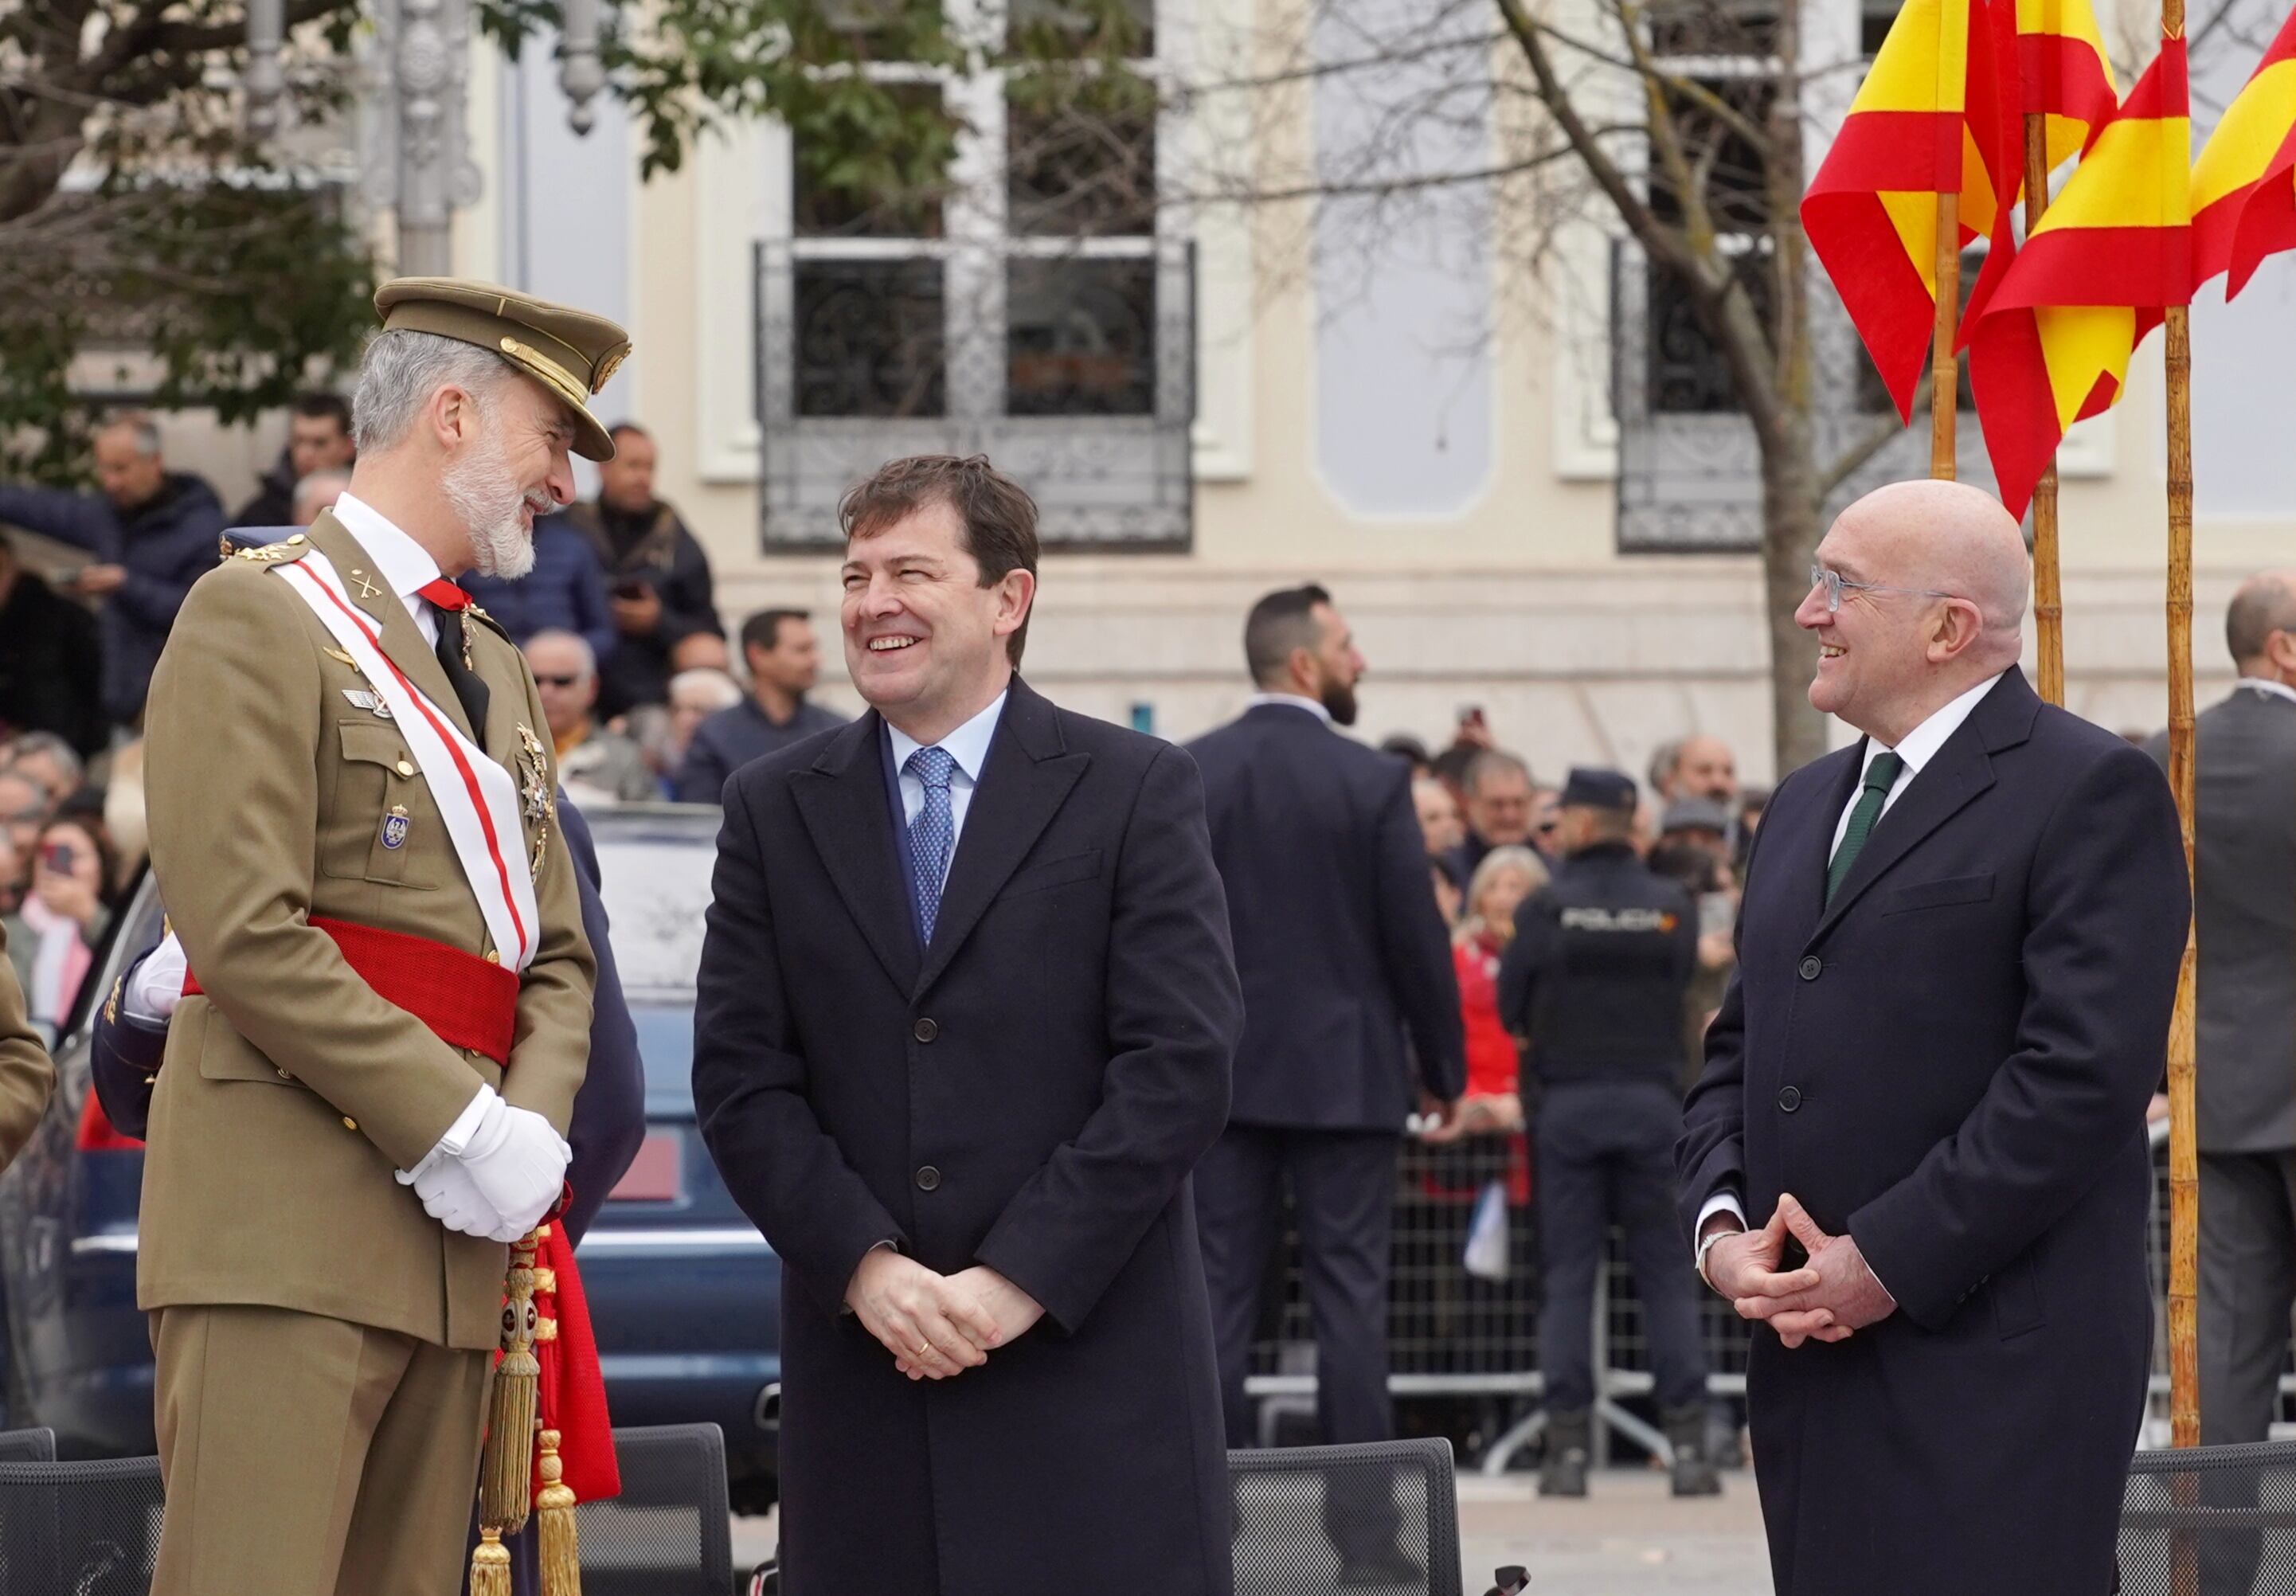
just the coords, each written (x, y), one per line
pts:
(25, 1075)
(290, 1091)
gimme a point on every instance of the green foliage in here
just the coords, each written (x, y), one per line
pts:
(228, 283)
(234, 295)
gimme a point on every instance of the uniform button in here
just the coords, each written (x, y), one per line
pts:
(928, 1179)
(349, 1124)
(1811, 966)
(926, 1029)
(283, 1074)
(405, 769)
(1789, 1099)
(493, 957)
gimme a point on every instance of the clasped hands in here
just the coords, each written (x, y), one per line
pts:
(936, 1325)
(505, 1178)
(1829, 1298)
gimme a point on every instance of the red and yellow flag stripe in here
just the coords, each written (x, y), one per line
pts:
(1931, 117)
(2063, 73)
(2244, 183)
(2053, 332)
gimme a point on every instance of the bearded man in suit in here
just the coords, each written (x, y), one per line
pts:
(1927, 1088)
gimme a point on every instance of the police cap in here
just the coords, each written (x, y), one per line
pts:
(1590, 787)
(569, 352)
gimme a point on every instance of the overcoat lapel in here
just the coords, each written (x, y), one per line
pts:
(400, 639)
(841, 800)
(1963, 769)
(1028, 776)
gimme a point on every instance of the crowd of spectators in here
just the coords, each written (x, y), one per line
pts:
(619, 617)
(1489, 830)
(70, 849)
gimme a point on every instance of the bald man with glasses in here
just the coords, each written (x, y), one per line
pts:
(1916, 1156)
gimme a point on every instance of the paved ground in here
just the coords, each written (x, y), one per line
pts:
(1628, 1538)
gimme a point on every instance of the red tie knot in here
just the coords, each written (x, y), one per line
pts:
(444, 595)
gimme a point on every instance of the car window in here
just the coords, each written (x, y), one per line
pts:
(656, 887)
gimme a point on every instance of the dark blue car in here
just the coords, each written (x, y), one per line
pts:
(684, 1293)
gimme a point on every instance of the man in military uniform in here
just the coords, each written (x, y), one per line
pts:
(367, 1085)
(25, 1075)
(1595, 979)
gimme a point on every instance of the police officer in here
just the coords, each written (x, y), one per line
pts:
(1594, 980)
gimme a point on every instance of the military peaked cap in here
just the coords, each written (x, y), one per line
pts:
(569, 352)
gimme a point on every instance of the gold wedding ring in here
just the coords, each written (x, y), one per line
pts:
(918, 1352)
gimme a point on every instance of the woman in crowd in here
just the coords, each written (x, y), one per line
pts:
(54, 932)
(1505, 877)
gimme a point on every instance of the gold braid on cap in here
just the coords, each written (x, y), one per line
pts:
(556, 375)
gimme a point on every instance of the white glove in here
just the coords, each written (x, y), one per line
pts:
(518, 1163)
(159, 985)
(451, 1197)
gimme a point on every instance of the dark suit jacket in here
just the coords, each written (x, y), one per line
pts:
(1029, 1092)
(2245, 852)
(609, 1121)
(1951, 1064)
(1338, 940)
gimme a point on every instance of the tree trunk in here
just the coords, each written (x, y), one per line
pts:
(1790, 535)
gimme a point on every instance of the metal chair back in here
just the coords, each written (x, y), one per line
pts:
(1386, 1514)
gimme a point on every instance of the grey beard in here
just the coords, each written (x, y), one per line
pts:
(489, 499)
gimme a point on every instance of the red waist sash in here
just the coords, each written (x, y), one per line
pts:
(466, 1001)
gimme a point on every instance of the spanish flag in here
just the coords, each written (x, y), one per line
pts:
(2053, 329)
(2244, 183)
(2063, 73)
(1934, 116)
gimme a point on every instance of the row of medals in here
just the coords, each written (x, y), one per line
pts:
(534, 788)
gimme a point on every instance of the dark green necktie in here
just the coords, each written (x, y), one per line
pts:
(1881, 775)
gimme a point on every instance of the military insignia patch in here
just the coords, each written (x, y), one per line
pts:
(374, 703)
(394, 827)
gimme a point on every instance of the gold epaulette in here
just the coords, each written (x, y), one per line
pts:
(275, 553)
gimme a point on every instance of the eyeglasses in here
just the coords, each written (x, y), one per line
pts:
(1833, 581)
(557, 680)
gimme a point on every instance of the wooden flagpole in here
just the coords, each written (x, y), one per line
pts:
(2048, 601)
(1944, 371)
(2183, 1155)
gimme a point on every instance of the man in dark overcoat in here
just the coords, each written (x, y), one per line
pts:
(966, 1013)
(1956, 962)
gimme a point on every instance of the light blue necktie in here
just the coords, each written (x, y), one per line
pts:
(932, 834)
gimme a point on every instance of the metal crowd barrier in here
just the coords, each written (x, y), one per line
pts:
(1463, 1350)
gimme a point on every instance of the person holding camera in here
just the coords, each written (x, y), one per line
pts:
(657, 581)
(53, 935)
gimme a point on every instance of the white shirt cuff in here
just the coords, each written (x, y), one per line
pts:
(1721, 1202)
(159, 985)
(457, 1137)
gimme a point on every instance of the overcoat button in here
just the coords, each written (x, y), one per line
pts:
(1789, 1099)
(1811, 966)
(926, 1029)
(928, 1179)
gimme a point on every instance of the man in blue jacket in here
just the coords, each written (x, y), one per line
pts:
(152, 532)
(565, 592)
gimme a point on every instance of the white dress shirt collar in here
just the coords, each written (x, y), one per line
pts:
(2266, 684)
(399, 559)
(1290, 700)
(968, 745)
(1919, 746)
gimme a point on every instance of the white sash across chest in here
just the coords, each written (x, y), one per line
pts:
(477, 798)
